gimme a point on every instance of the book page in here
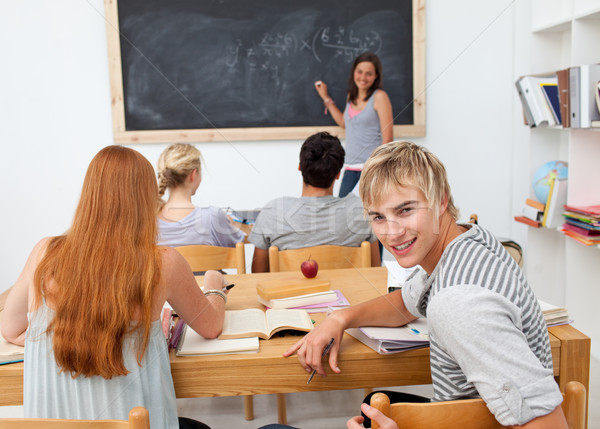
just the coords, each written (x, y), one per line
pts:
(244, 323)
(278, 320)
(195, 345)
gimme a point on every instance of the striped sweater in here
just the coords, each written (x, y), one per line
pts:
(487, 332)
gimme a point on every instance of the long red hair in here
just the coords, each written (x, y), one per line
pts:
(105, 268)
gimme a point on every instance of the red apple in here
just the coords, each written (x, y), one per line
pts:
(309, 268)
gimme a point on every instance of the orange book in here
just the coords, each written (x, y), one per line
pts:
(292, 284)
(527, 221)
(535, 204)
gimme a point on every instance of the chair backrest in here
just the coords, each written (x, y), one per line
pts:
(203, 257)
(327, 256)
(469, 413)
(513, 248)
(138, 419)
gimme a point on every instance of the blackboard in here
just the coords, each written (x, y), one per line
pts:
(243, 69)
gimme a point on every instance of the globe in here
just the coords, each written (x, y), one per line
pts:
(545, 174)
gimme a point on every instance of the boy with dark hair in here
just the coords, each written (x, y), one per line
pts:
(316, 217)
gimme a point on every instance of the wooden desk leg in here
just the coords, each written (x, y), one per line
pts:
(281, 411)
(249, 407)
(575, 349)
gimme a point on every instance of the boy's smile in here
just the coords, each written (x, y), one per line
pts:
(407, 227)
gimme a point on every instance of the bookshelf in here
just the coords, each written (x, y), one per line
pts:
(551, 35)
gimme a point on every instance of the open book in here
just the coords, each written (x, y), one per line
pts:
(10, 353)
(392, 340)
(193, 344)
(254, 322)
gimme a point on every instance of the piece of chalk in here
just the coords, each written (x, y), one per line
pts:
(318, 83)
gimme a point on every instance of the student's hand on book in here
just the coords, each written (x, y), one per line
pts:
(214, 280)
(375, 415)
(310, 347)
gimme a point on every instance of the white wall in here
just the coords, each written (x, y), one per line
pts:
(55, 115)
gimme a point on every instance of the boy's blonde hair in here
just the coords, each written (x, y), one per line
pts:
(175, 164)
(406, 164)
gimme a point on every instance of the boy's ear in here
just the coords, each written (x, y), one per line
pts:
(444, 205)
(337, 176)
(299, 169)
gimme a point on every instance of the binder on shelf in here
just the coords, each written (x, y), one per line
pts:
(527, 116)
(562, 77)
(533, 99)
(583, 85)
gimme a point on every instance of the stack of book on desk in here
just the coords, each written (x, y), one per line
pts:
(554, 315)
(296, 291)
(392, 340)
(582, 223)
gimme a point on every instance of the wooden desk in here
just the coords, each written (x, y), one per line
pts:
(269, 372)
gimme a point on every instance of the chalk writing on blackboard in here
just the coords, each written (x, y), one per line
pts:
(345, 43)
(262, 55)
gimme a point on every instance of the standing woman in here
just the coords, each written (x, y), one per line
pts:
(87, 304)
(180, 223)
(367, 117)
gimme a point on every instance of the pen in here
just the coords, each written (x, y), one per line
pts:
(419, 333)
(227, 287)
(325, 351)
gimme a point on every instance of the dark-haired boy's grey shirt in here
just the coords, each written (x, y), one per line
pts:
(488, 335)
(292, 223)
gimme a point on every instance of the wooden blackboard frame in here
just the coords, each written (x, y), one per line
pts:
(122, 136)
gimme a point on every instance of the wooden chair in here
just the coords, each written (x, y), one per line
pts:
(513, 248)
(138, 419)
(469, 413)
(203, 258)
(328, 256)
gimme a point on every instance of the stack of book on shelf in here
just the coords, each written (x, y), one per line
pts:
(532, 213)
(551, 213)
(568, 98)
(10, 353)
(392, 340)
(296, 291)
(582, 223)
(554, 315)
(242, 329)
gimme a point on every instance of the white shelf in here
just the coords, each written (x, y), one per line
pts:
(563, 33)
(558, 26)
